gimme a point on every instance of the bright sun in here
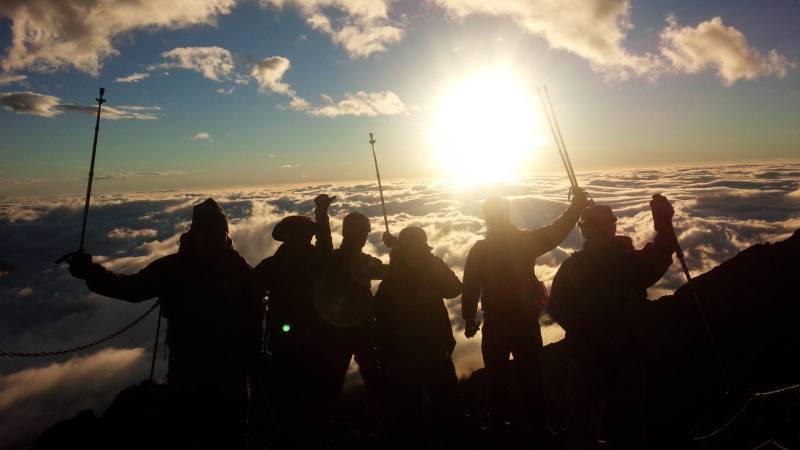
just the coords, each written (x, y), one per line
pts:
(486, 128)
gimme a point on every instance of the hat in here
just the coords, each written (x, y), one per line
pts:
(598, 215)
(208, 215)
(294, 227)
(413, 237)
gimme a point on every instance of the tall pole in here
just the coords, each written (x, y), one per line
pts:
(557, 137)
(709, 334)
(372, 142)
(155, 345)
(100, 100)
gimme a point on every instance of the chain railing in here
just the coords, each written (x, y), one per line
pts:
(64, 351)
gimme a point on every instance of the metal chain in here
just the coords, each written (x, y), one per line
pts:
(64, 351)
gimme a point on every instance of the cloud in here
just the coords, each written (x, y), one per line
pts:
(594, 29)
(720, 210)
(214, 63)
(50, 35)
(268, 74)
(132, 78)
(113, 113)
(361, 27)
(370, 104)
(224, 91)
(290, 166)
(202, 136)
(712, 44)
(49, 106)
(30, 103)
(7, 78)
(32, 399)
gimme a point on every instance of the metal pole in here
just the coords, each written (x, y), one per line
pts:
(155, 346)
(560, 136)
(556, 132)
(372, 142)
(100, 100)
(690, 284)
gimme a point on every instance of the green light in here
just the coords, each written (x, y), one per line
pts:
(286, 328)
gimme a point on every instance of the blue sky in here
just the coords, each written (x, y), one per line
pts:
(719, 82)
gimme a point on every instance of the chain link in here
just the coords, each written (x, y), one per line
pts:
(64, 351)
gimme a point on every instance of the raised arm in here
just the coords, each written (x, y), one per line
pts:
(653, 261)
(324, 241)
(134, 288)
(549, 237)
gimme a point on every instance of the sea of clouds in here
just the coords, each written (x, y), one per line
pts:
(720, 210)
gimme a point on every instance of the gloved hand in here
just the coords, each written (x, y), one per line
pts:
(389, 240)
(471, 328)
(580, 199)
(662, 214)
(323, 202)
(80, 265)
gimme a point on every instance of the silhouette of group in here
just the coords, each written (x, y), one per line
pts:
(309, 308)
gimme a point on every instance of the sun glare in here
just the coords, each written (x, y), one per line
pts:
(486, 128)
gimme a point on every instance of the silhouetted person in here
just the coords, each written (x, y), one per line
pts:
(345, 300)
(595, 296)
(416, 339)
(214, 327)
(499, 271)
(299, 340)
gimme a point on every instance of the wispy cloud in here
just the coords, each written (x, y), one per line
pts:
(214, 63)
(202, 136)
(43, 105)
(7, 78)
(362, 28)
(132, 78)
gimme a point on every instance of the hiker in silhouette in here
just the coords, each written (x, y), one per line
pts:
(344, 299)
(499, 271)
(298, 338)
(596, 296)
(214, 330)
(415, 339)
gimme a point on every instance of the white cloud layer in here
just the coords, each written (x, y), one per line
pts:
(361, 27)
(33, 398)
(712, 44)
(50, 106)
(50, 35)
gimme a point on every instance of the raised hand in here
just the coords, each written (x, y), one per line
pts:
(80, 264)
(662, 213)
(471, 328)
(389, 240)
(323, 201)
(580, 198)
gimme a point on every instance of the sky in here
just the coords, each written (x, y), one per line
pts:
(220, 93)
(265, 104)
